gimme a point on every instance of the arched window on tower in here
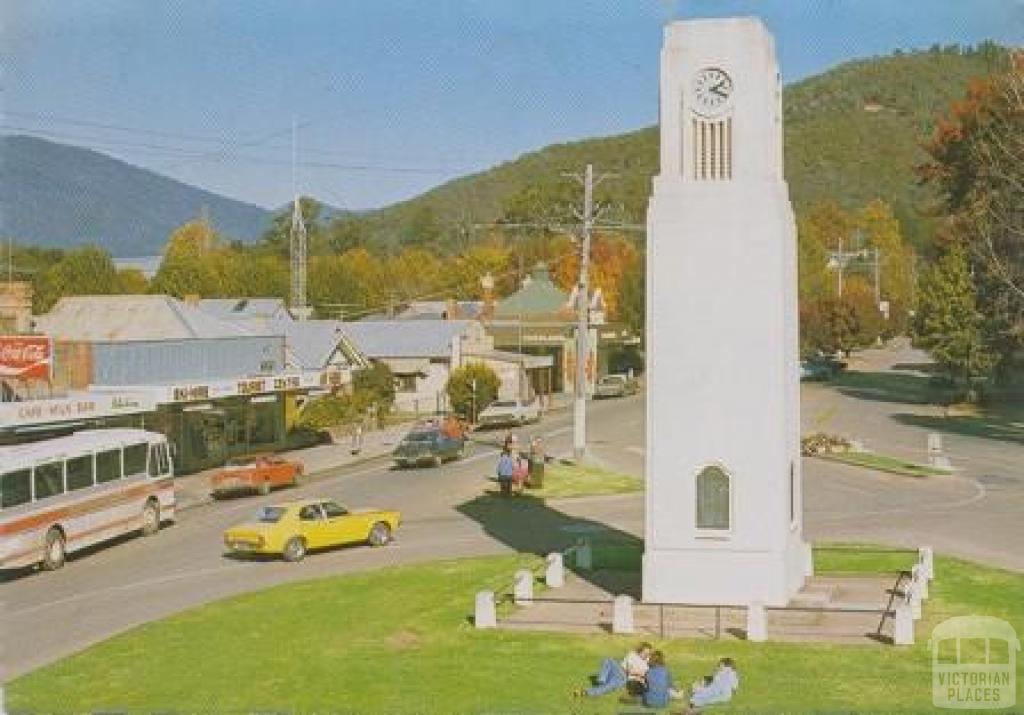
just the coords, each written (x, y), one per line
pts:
(714, 499)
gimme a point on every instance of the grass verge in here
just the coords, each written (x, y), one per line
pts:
(574, 480)
(882, 463)
(399, 641)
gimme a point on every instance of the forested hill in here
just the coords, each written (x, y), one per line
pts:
(57, 195)
(853, 134)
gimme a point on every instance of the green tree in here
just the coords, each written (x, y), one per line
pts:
(82, 271)
(277, 238)
(947, 323)
(131, 281)
(377, 383)
(471, 388)
(188, 266)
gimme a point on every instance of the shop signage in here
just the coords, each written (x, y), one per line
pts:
(25, 357)
(75, 407)
(190, 393)
(251, 387)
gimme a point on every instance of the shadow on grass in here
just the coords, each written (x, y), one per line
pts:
(891, 387)
(987, 425)
(528, 525)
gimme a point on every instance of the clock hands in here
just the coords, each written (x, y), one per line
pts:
(721, 89)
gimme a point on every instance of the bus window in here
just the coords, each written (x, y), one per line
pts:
(165, 458)
(48, 479)
(135, 459)
(15, 488)
(154, 460)
(80, 473)
(108, 465)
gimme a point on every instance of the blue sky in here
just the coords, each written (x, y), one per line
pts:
(393, 96)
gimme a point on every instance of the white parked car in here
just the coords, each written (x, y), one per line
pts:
(510, 412)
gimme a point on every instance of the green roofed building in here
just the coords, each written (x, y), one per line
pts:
(540, 319)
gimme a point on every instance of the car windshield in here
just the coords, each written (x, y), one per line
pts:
(419, 437)
(610, 380)
(270, 514)
(504, 403)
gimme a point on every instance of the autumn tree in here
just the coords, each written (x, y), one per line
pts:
(977, 164)
(471, 388)
(188, 267)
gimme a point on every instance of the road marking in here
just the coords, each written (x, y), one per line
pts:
(980, 493)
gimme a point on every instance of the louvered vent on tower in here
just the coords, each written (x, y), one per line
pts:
(712, 149)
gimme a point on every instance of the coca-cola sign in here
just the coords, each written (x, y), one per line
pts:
(25, 357)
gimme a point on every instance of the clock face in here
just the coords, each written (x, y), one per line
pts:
(712, 89)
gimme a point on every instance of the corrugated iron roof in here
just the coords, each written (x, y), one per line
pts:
(406, 338)
(133, 317)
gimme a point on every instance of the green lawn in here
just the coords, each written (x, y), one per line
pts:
(572, 480)
(399, 641)
(883, 463)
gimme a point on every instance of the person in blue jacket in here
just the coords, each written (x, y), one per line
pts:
(659, 682)
(506, 468)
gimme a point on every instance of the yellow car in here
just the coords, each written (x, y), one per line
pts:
(294, 528)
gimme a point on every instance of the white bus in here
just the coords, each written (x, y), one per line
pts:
(68, 493)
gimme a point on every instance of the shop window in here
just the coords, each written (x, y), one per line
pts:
(713, 499)
(135, 459)
(108, 466)
(48, 479)
(15, 488)
(80, 473)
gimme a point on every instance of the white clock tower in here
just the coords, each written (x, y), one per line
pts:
(724, 498)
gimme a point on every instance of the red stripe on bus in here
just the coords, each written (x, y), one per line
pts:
(62, 513)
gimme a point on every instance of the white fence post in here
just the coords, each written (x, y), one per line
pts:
(757, 622)
(523, 587)
(622, 614)
(584, 555)
(484, 614)
(921, 581)
(903, 624)
(914, 599)
(554, 574)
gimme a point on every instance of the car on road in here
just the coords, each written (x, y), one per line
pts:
(293, 529)
(615, 386)
(255, 473)
(820, 368)
(429, 444)
(510, 412)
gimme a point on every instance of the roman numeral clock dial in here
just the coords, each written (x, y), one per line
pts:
(712, 90)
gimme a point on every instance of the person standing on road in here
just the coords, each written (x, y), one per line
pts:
(506, 469)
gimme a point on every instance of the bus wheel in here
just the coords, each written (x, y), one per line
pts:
(294, 549)
(264, 488)
(150, 518)
(54, 552)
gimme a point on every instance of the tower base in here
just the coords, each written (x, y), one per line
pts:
(726, 577)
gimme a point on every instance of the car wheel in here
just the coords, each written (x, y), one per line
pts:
(150, 518)
(264, 488)
(294, 549)
(54, 552)
(380, 534)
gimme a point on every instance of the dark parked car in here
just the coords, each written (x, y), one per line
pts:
(615, 386)
(429, 445)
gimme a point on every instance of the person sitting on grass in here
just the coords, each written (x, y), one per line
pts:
(659, 688)
(631, 673)
(724, 683)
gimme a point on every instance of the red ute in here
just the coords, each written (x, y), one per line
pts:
(258, 473)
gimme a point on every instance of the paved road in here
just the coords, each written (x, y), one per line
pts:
(49, 615)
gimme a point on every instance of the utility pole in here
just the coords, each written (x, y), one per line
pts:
(579, 432)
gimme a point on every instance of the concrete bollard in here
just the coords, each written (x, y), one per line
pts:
(926, 557)
(584, 555)
(554, 574)
(920, 580)
(757, 622)
(622, 615)
(903, 624)
(484, 613)
(914, 599)
(523, 591)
